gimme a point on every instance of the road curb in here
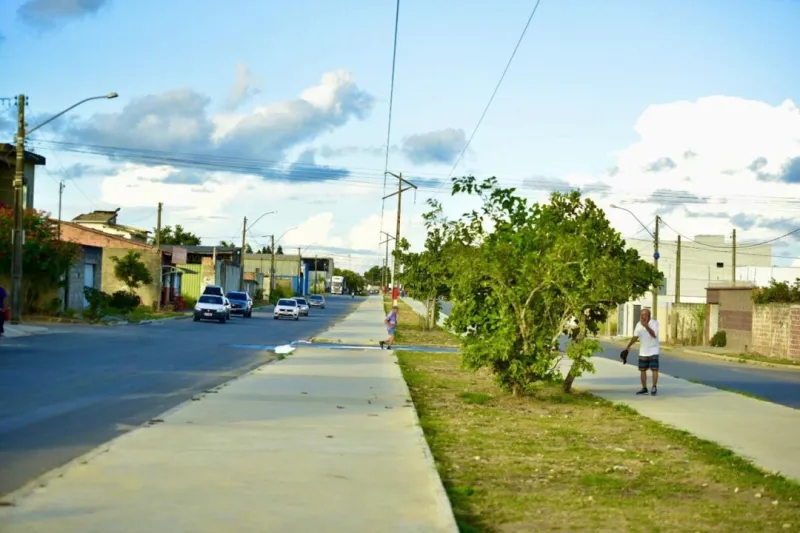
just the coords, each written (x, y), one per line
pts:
(701, 353)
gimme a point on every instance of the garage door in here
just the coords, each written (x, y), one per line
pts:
(88, 280)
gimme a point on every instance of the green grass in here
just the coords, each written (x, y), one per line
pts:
(557, 462)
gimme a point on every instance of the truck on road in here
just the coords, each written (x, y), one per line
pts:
(337, 285)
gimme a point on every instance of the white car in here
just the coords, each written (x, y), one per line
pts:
(212, 307)
(287, 308)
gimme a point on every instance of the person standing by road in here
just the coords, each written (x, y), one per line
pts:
(391, 328)
(3, 307)
(646, 332)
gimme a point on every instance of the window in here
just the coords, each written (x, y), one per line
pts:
(720, 265)
(287, 303)
(662, 290)
(210, 299)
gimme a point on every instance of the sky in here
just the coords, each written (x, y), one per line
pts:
(683, 109)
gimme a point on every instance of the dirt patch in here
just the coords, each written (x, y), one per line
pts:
(557, 462)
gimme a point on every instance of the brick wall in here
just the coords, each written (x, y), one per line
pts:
(110, 283)
(776, 330)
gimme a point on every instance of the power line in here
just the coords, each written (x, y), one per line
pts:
(739, 246)
(497, 87)
(391, 105)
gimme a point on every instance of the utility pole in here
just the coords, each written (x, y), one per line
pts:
(733, 263)
(299, 271)
(385, 261)
(655, 263)
(272, 284)
(60, 195)
(18, 234)
(158, 251)
(399, 193)
(677, 291)
(316, 274)
(241, 255)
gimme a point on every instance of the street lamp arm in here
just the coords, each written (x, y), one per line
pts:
(637, 219)
(70, 108)
(259, 218)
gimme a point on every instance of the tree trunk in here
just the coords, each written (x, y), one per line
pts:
(569, 380)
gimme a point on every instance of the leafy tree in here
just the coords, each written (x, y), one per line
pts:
(265, 250)
(777, 292)
(176, 236)
(376, 275)
(352, 280)
(426, 273)
(279, 251)
(248, 249)
(131, 271)
(226, 244)
(516, 287)
(45, 258)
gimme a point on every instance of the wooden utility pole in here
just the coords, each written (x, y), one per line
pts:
(241, 255)
(272, 284)
(158, 251)
(656, 255)
(316, 274)
(677, 291)
(299, 271)
(399, 193)
(18, 234)
(733, 262)
(386, 260)
(60, 196)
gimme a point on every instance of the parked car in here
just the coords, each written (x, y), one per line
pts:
(211, 307)
(303, 303)
(241, 303)
(287, 308)
(214, 289)
(316, 300)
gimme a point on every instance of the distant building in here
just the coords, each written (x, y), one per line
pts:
(706, 260)
(8, 166)
(760, 276)
(106, 221)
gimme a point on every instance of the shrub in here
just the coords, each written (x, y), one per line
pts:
(124, 301)
(719, 340)
(280, 292)
(189, 302)
(99, 302)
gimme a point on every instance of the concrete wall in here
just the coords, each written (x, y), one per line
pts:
(700, 264)
(111, 284)
(285, 265)
(776, 330)
(77, 281)
(688, 323)
(733, 309)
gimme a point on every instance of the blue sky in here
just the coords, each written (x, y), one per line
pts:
(585, 75)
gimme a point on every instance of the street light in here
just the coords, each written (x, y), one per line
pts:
(656, 255)
(245, 227)
(18, 235)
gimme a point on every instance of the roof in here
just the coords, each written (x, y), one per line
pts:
(202, 249)
(104, 234)
(97, 216)
(278, 257)
(9, 151)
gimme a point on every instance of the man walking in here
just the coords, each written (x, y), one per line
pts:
(391, 326)
(646, 332)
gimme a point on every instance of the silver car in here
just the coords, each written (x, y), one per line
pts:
(303, 303)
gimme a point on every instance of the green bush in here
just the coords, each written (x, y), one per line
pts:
(280, 292)
(124, 301)
(189, 302)
(719, 340)
(99, 303)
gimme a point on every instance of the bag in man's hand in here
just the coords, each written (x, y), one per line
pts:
(624, 357)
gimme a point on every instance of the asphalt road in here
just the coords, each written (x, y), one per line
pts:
(63, 394)
(778, 385)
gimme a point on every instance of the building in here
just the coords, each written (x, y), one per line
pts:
(106, 221)
(95, 267)
(760, 276)
(8, 160)
(706, 260)
(189, 269)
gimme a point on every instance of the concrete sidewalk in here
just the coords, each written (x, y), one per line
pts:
(324, 440)
(766, 433)
(23, 330)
